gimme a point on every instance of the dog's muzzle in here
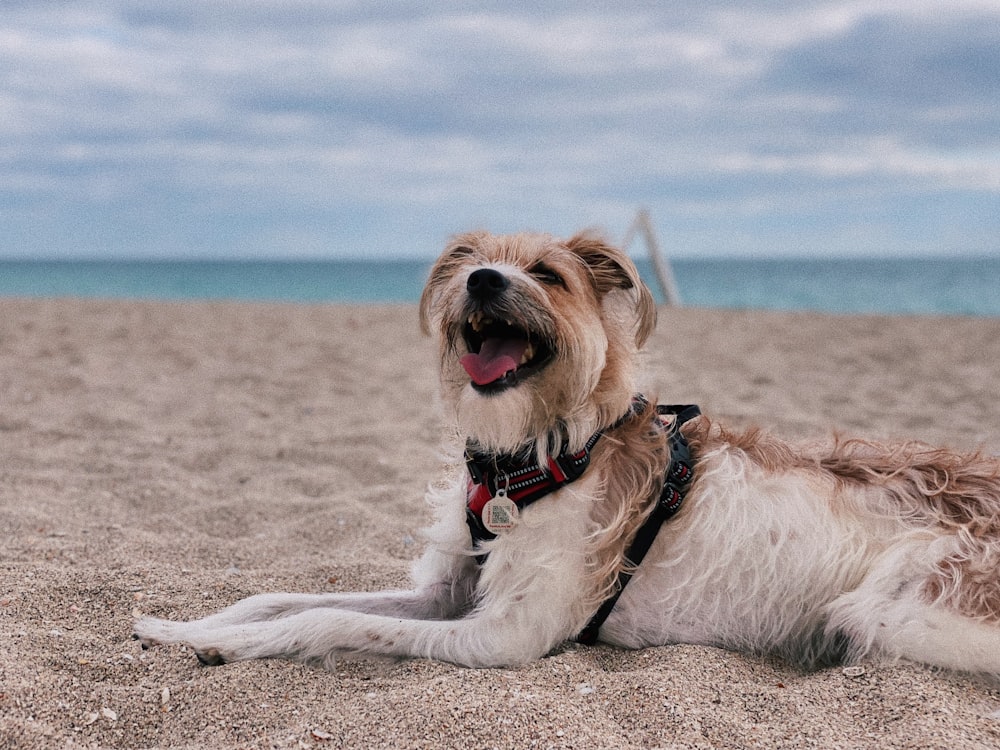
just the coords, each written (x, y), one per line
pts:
(501, 351)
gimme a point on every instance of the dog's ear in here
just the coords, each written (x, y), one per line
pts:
(444, 268)
(612, 269)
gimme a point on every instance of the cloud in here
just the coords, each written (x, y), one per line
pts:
(332, 128)
(913, 63)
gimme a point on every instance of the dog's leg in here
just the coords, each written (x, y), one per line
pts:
(445, 586)
(440, 601)
(888, 615)
(490, 636)
(939, 637)
(526, 605)
(319, 635)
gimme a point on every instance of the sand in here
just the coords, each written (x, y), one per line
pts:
(171, 458)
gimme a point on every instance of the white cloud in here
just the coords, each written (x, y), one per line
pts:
(287, 122)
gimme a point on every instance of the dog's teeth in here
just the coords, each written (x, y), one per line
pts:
(478, 321)
(529, 352)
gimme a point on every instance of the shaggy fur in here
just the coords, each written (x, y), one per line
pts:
(816, 552)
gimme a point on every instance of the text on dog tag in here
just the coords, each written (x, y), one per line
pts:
(499, 513)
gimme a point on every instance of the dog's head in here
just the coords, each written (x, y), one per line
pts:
(538, 336)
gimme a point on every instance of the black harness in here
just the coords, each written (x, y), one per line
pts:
(524, 482)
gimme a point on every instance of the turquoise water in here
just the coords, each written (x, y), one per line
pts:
(966, 286)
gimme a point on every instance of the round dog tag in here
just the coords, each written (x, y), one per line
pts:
(499, 513)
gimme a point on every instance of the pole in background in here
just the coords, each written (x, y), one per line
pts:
(642, 224)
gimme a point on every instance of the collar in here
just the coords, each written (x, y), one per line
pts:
(522, 481)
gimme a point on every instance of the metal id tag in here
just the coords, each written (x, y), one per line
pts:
(499, 513)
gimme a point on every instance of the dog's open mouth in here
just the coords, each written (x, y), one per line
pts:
(501, 354)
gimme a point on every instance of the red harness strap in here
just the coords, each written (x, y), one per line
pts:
(527, 484)
(524, 482)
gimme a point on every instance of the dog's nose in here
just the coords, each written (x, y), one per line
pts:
(486, 283)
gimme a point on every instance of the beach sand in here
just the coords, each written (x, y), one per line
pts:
(169, 459)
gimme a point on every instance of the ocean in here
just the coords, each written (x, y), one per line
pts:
(963, 286)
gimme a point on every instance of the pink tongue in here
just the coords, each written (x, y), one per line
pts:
(495, 359)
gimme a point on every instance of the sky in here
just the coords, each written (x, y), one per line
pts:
(307, 129)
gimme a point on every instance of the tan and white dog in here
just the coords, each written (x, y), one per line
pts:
(818, 553)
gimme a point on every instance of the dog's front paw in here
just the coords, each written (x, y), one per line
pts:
(151, 631)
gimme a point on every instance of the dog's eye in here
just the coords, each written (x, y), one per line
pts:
(546, 275)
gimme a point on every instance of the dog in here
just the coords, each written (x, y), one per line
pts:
(649, 528)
